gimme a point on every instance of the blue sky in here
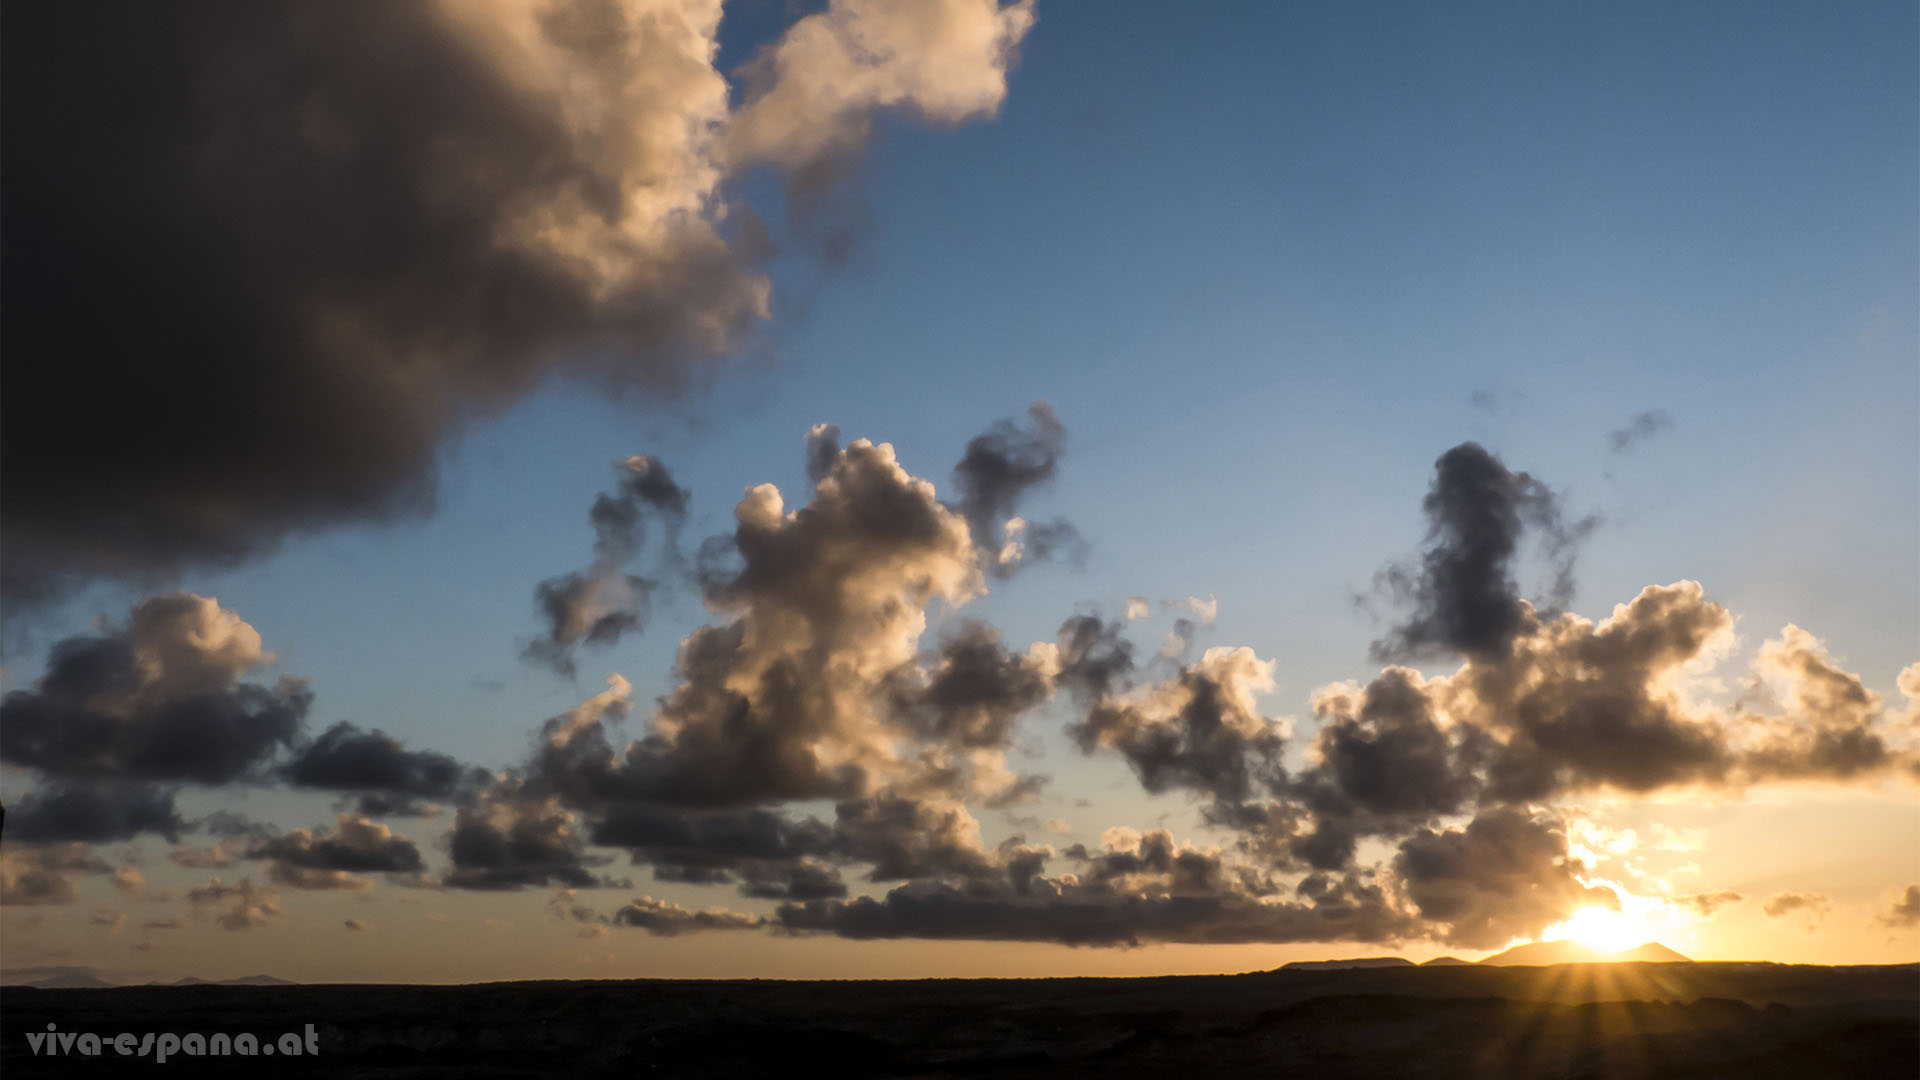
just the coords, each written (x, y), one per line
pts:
(1268, 262)
(1267, 265)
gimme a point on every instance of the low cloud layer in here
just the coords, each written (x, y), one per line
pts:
(831, 740)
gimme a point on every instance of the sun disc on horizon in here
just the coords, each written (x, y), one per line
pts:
(1599, 928)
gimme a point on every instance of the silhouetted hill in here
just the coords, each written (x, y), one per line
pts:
(1341, 965)
(83, 977)
(75, 980)
(1446, 961)
(1542, 953)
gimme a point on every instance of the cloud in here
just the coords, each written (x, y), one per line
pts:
(768, 853)
(511, 839)
(1462, 593)
(823, 449)
(1137, 608)
(1424, 807)
(247, 905)
(1786, 903)
(379, 768)
(600, 604)
(41, 874)
(1138, 889)
(1383, 764)
(305, 859)
(1903, 910)
(1578, 704)
(94, 814)
(1705, 904)
(974, 693)
(942, 912)
(1504, 875)
(535, 189)
(1643, 426)
(1909, 684)
(811, 96)
(998, 468)
(1199, 731)
(661, 919)
(1828, 731)
(784, 701)
(130, 882)
(160, 699)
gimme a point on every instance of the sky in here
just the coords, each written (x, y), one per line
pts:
(884, 489)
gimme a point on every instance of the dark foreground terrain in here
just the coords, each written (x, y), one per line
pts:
(1601, 1020)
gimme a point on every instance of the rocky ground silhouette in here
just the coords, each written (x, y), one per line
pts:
(1575, 1020)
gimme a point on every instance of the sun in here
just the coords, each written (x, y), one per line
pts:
(1603, 929)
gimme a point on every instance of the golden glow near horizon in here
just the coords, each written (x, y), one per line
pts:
(1603, 929)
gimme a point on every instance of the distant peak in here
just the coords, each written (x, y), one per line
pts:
(1541, 953)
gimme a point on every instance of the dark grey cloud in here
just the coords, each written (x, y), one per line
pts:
(973, 692)
(801, 880)
(227, 824)
(823, 447)
(1199, 731)
(384, 804)
(903, 838)
(1461, 592)
(387, 776)
(1096, 659)
(768, 854)
(1582, 705)
(94, 814)
(305, 859)
(1142, 890)
(1643, 426)
(1000, 466)
(263, 258)
(1506, 874)
(1004, 462)
(1387, 754)
(598, 605)
(944, 912)
(353, 184)
(1385, 766)
(513, 839)
(161, 699)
